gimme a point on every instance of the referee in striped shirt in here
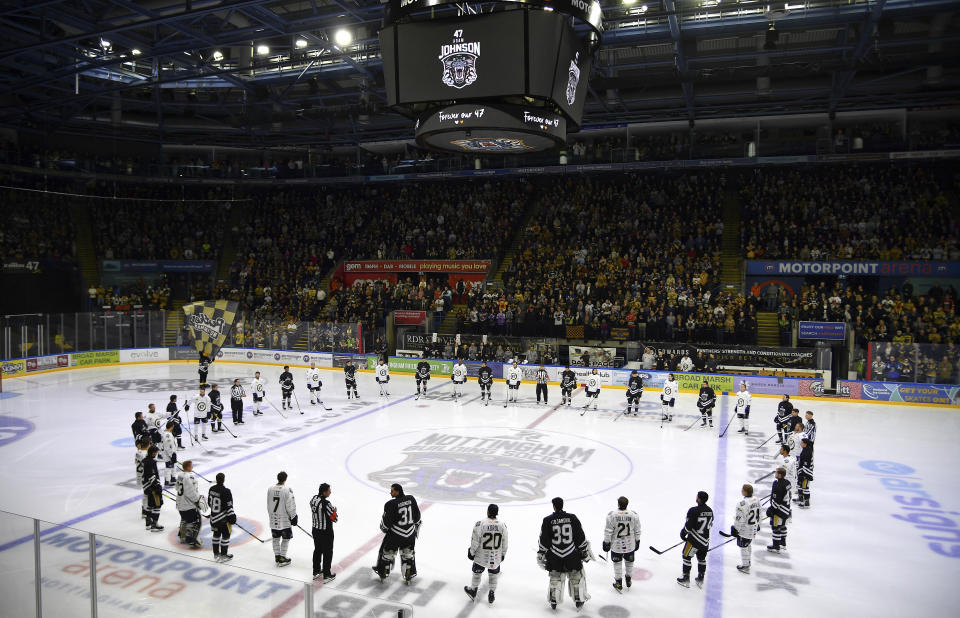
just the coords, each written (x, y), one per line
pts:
(542, 377)
(236, 402)
(324, 516)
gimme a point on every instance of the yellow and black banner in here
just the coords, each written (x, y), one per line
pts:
(209, 323)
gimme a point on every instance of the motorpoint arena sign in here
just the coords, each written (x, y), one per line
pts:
(481, 465)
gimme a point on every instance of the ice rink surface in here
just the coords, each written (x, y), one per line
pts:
(882, 537)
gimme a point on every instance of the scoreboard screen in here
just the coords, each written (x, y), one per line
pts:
(496, 55)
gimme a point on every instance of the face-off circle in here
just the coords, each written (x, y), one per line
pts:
(467, 465)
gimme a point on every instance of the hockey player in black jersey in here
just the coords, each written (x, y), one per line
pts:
(706, 401)
(204, 369)
(696, 533)
(286, 388)
(350, 378)
(485, 379)
(634, 392)
(423, 376)
(400, 524)
(784, 408)
(153, 489)
(810, 428)
(173, 414)
(216, 410)
(568, 382)
(779, 510)
(139, 427)
(563, 548)
(805, 472)
(222, 517)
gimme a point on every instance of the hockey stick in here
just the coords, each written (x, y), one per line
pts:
(228, 430)
(721, 544)
(197, 473)
(663, 417)
(250, 533)
(323, 405)
(617, 417)
(732, 416)
(765, 476)
(661, 552)
(690, 426)
(274, 407)
(765, 441)
(727, 534)
(297, 399)
(304, 531)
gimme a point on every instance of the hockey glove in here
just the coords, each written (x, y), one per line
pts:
(542, 560)
(586, 554)
(606, 546)
(294, 520)
(733, 531)
(233, 520)
(770, 512)
(470, 553)
(637, 546)
(683, 534)
(383, 528)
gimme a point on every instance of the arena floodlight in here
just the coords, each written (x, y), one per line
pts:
(263, 50)
(135, 51)
(105, 44)
(343, 37)
(300, 43)
(217, 56)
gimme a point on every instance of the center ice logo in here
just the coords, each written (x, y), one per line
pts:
(489, 464)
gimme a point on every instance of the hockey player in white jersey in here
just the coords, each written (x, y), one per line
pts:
(621, 537)
(787, 459)
(592, 388)
(168, 454)
(668, 398)
(188, 503)
(383, 378)
(746, 526)
(514, 377)
(459, 377)
(282, 513)
(201, 411)
(488, 548)
(742, 408)
(314, 383)
(259, 388)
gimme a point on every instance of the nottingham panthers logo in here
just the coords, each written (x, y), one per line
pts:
(485, 465)
(573, 78)
(459, 60)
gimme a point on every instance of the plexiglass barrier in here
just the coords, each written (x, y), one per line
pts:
(53, 570)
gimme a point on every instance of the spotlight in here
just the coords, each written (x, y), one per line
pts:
(342, 38)
(105, 44)
(217, 56)
(135, 51)
(263, 50)
(300, 43)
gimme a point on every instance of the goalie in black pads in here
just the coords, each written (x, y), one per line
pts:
(400, 524)
(706, 401)
(488, 548)
(634, 392)
(696, 533)
(562, 551)
(621, 537)
(423, 376)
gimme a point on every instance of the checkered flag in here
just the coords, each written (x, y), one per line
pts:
(209, 323)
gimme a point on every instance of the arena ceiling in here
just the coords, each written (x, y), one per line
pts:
(274, 73)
